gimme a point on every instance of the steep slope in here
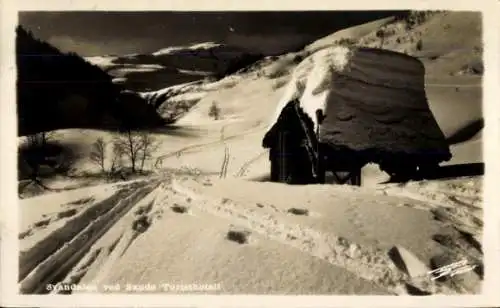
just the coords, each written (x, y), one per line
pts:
(352, 33)
(53, 88)
(61, 90)
(448, 43)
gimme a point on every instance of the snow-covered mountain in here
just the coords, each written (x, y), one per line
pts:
(175, 65)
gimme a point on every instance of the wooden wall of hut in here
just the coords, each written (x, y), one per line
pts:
(290, 161)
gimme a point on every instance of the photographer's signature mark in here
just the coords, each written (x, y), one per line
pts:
(452, 269)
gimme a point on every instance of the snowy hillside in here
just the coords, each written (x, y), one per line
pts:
(453, 65)
(207, 213)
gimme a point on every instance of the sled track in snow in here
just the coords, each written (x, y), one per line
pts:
(243, 169)
(222, 139)
(225, 161)
(116, 242)
(51, 259)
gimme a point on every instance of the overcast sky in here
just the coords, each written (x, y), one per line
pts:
(100, 33)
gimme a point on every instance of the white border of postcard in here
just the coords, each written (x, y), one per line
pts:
(8, 191)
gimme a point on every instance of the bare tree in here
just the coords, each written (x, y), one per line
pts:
(116, 159)
(133, 147)
(98, 153)
(148, 147)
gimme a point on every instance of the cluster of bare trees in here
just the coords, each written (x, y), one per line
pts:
(35, 154)
(132, 148)
(43, 156)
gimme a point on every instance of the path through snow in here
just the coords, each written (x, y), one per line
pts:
(383, 240)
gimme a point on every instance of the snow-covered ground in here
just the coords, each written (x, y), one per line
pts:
(255, 237)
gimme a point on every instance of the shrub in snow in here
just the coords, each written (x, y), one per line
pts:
(214, 111)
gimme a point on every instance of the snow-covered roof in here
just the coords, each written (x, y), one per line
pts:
(310, 82)
(373, 100)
